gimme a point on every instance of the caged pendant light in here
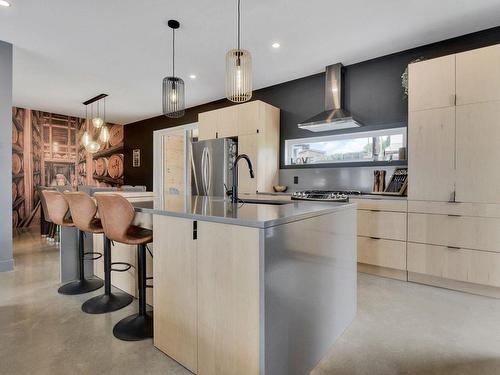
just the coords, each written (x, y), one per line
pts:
(238, 72)
(173, 87)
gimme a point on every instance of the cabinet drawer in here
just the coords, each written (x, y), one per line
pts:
(479, 233)
(380, 204)
(464, 209)
(479, 267)
(382, 224)
(382, 253)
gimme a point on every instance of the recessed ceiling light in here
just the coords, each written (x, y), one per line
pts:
(192, 76)
(4, 3)
(276, 45)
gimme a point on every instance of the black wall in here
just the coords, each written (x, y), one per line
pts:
(373, 93)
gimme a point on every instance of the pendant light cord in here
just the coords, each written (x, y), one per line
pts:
(173, 52)
(238, 25)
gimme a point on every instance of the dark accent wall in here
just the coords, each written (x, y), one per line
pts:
(373, 93)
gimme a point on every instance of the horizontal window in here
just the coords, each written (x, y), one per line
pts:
(379, 145)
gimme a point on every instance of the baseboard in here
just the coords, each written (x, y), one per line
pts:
(462, 286)
(6, 265)
(390, 273)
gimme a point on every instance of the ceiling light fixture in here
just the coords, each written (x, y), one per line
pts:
(4, 3)
(173, 87)
(99, 128)
(192, 76)
(276, 45)
(238, 71)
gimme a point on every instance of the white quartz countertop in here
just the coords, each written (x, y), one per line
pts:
(218, 209)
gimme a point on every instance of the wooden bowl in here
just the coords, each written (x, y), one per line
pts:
(280, 188)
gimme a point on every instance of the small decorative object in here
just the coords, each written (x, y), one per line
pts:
(280, 188)
(136, 157)
(173, 87)
(404, 77)
(238, 72)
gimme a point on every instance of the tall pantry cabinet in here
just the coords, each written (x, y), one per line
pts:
(454, 186)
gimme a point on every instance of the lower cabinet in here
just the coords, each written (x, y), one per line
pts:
(207, 301)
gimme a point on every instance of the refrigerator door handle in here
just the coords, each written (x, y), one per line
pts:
(204, 170)
(209, 172)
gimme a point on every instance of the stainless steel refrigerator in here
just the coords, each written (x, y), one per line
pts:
(211, 166)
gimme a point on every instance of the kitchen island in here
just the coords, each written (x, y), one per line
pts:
(251, 288)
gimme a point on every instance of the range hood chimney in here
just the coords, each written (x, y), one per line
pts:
(334, 117)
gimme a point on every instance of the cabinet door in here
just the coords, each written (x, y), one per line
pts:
(227, 122)
(248, 144)
(249, 118)
(478, 152)
(175, 286)
(431, 83)
(207, 125)
(431, 150)
(478, 75)
(228, 299)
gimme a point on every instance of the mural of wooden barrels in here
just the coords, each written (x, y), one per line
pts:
(20, 139)
(17, 164)
(115, 166)
(15, 134)
(15, 218)
(14, 191)
(116, 135)
(20, 188)
(101, 166)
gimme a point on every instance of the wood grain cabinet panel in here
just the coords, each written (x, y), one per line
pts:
(207, 125)
(478, 152)
(382, 253)
(381, 224)
(175, 290)
(398, 205)
(431, 83)
(228, 299)
(481, 233)
(227, 122)
(478, 75)
(479, 267)
(250, 117)
(431, 150)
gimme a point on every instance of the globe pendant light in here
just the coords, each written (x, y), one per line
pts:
(98, 121)
(100, 130)
(173, 87)
(238, 72)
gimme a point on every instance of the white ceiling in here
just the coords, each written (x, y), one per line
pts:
(68, 51)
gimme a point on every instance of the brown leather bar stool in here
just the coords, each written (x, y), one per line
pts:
(117, 215)
(58, 210)
(83, 212)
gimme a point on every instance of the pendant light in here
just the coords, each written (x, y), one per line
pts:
(238, 72)
(97, 121)
(173, 87)
(99, 125)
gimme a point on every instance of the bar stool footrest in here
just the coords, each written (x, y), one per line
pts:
(95, 255)
(125, 269)
(149, 278)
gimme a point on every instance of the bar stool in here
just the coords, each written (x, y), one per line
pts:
(83, 212)
(58, 209)
(117, 215)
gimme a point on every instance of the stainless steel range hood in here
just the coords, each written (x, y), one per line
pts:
(333, 117)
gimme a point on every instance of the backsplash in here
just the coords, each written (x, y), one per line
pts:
(357, 178)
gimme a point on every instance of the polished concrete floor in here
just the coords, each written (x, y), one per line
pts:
(400, 328)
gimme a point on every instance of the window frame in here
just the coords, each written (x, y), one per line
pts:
(289, 143)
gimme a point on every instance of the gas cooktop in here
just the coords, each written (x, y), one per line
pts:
(325, 195)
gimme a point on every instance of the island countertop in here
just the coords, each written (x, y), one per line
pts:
(218, 209)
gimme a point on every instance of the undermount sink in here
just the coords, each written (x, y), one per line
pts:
(260, 201)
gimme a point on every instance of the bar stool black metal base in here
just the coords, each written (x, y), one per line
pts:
(81, 286)
(134, 327)
(107, 303)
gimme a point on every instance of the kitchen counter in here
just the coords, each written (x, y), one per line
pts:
(217, 209)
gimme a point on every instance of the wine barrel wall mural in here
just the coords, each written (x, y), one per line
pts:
(47, 151)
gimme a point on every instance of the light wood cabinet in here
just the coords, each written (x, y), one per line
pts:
(380, 224)
(382, 253)
(227, 122)
(250, 118)
(207, 125)
(207, 295)
(431, 83)
(478, 152)
(175, 291)
(478, 75)
(478, 267)
(228, 299)
(431, 154)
